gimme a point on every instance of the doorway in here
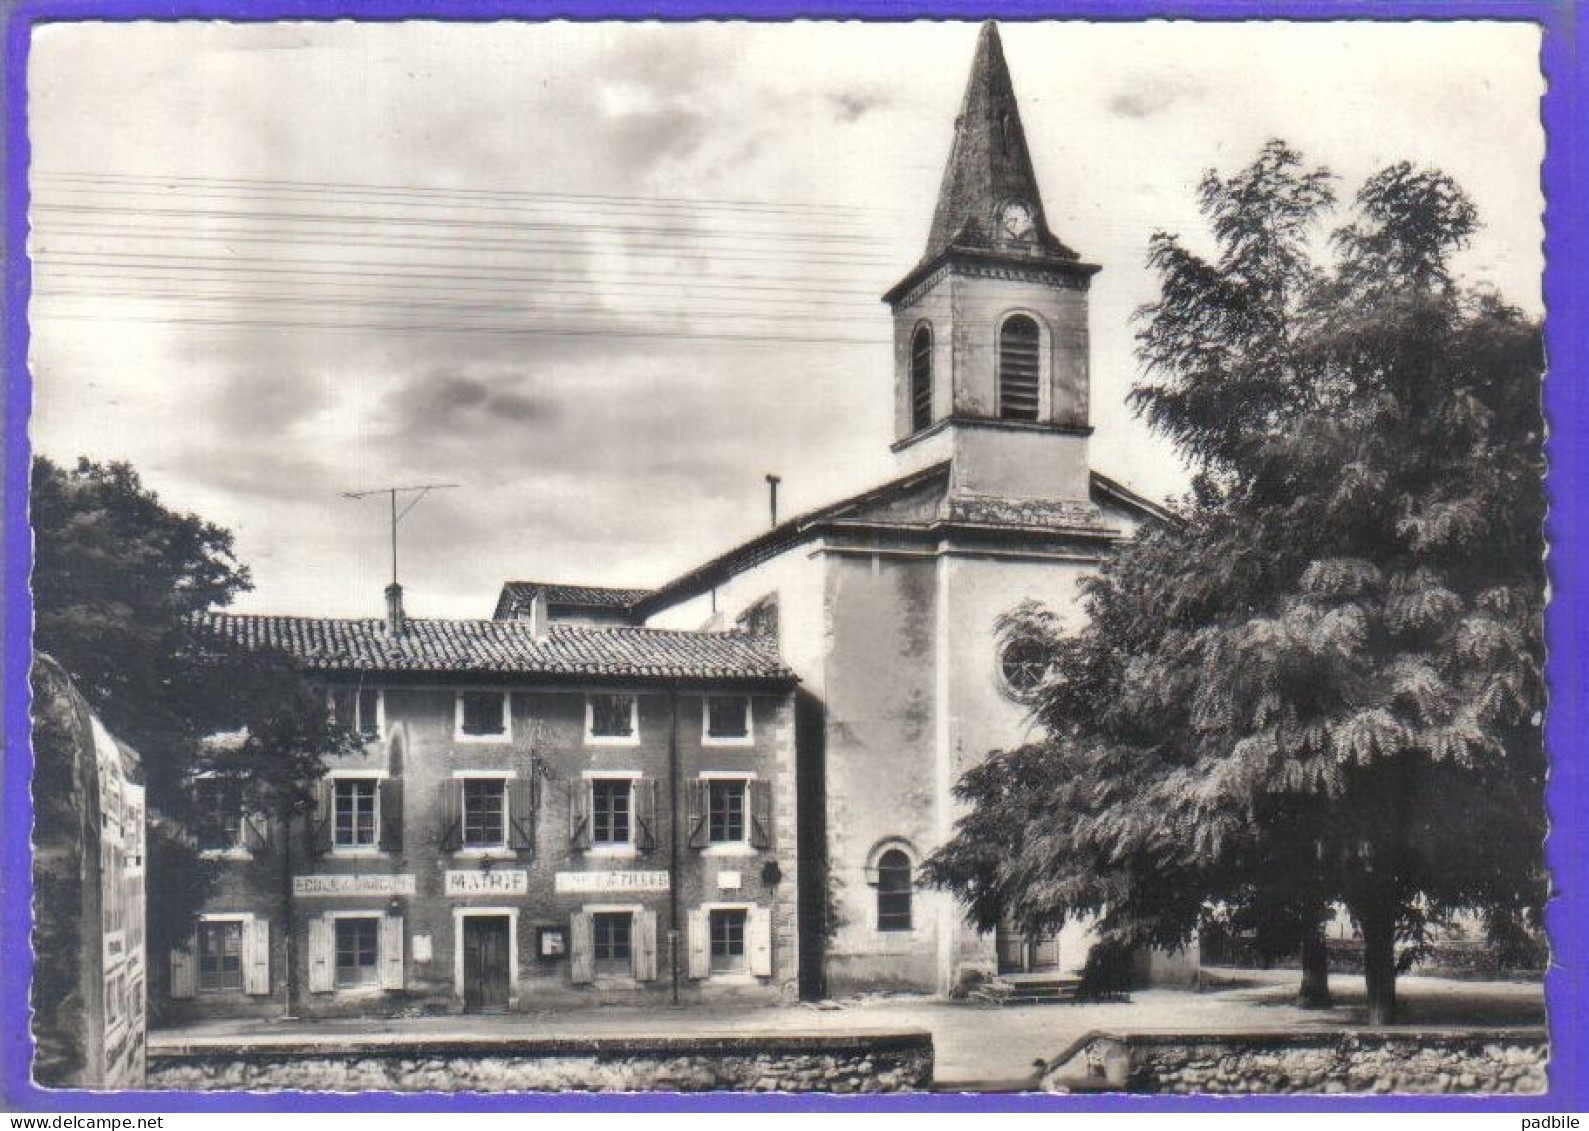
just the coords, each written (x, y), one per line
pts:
(1022, 953)
(487, 963)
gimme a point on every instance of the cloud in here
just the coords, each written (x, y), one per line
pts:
(854, 103)
(459, 403)
(1152, 96)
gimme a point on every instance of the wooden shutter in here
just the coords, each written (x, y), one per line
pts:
(390, 955)
(184, 972)
(581, 949)
(322, 955)
(256, 832)
(645, 946)
(697, 802)
(645, 808)
(700, 944)
(256, 956)
(758, 941)
(451, 816)
(320, 821)
(579, 814)
(761, 814)
(391, 814)
(521, 815)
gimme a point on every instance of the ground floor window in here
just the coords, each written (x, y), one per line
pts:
(728, 941)
(612, 940)
(220, 944)
(357, 943)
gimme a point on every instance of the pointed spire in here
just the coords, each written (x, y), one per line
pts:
(989, 175)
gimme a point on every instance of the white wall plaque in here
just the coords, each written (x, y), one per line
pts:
(422, 948)
(728, 881)
(499, 881)
(352, 883)
(583, 882)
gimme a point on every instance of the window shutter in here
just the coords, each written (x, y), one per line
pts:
(183, 970)
(581, 948)
(521, 815)
(700, 944)
(645, 946)
(256, 956)
(391, 952)
(322, 943)
(645, 805)
(451, 816)
(579, 814)
(761, 814)
(321, 822)
(758, 941)
(391, 793)
(696, 803)
(256, 832)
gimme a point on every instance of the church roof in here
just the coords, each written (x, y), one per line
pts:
(920, 502)
(989, 164)
(501, 647)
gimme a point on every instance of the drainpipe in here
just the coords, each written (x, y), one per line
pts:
(673, 837)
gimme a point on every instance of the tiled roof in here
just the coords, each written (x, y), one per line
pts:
(593, 596)
(502, 647)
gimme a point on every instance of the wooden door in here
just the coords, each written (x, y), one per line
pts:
(486, 963)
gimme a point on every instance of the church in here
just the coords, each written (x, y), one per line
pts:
(725, 786)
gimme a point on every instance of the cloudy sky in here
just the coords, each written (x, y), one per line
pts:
(604, 277)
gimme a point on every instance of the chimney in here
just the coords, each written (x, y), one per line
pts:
(540, 615)
(396, 619)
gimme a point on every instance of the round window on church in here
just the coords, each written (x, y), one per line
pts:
(1023, 665)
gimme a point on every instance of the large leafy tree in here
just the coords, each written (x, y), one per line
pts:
(1323, 682)
(118, 578)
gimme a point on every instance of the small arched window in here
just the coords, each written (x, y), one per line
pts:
(921, 378)
(1020, 347)
(894, 888)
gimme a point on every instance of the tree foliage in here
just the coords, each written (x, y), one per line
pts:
(1323, 682)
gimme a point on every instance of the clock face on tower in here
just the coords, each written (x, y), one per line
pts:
(1016, 219)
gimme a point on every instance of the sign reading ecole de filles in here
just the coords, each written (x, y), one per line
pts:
(579, 883)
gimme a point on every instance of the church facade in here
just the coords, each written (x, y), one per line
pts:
(887, 606)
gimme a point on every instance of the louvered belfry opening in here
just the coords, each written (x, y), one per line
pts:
(921, 378)
(1019, 345)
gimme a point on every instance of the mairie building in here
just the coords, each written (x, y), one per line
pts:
(724, 785)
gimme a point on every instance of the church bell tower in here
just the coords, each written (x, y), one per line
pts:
(990, 328)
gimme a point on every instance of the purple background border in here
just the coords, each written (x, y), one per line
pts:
(1566, 182)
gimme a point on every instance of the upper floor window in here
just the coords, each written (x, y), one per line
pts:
(725, 817)
(727, 720)
(610, 808)
(485, 812)
(482, 716)
(894, 889)
(921, 378)
(219, 806)
(353, 812)
(1020, 350)
(358, 709)
(612, 719)
(1023, 665)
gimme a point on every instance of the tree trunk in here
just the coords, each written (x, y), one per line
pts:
(1379, 962)
(1315, 990)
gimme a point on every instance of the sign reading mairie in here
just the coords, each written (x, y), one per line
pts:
(513, 881)
(353, 883)
(582, 882)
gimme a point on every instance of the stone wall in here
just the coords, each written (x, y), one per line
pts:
(890, 1062)
(1328, 1062)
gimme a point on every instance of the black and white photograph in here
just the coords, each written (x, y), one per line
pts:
(788, 557)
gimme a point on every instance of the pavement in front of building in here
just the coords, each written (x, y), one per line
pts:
(976, 1048)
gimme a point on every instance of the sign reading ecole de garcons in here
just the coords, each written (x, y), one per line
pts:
(353, 883)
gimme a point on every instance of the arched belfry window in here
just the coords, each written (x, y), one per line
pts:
(921, 378)
(1020, 349)
(895, 887)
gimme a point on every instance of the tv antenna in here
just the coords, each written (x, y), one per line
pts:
(419, 491)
